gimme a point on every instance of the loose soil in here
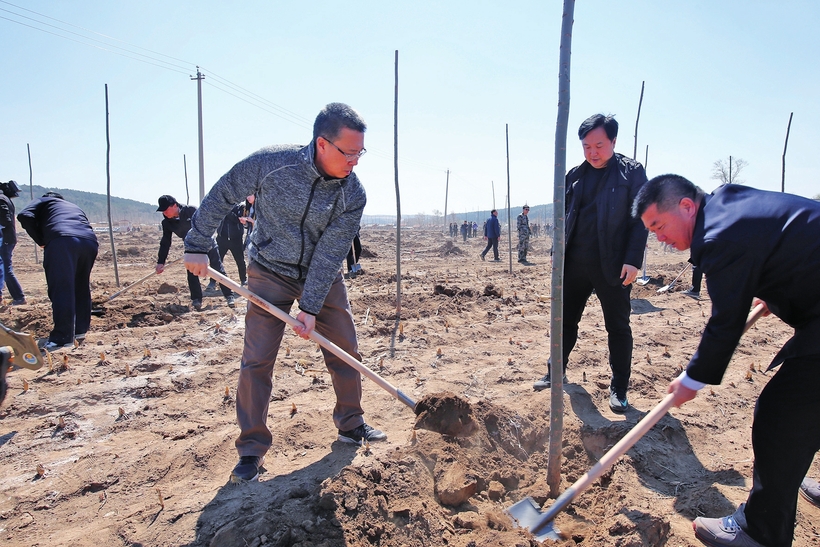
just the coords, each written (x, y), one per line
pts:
(128, 438)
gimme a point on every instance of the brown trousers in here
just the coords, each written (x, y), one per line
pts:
(263, 336)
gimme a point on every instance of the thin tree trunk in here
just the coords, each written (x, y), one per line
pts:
(557, 290)
(783, 175)
(108, 189)
(509, 218)
(637, 119)
(398, 195)
(31, 195)
(446, 195)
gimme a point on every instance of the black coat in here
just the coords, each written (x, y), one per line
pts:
(48, 218)
(621, 238)
(170, 226)
(751, 243)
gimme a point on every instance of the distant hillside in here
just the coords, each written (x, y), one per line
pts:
(96, 205)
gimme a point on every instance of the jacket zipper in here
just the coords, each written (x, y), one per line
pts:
(302, 225)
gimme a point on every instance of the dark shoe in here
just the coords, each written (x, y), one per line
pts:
(726, 531)
(5, 359)
(363, 432)
(18, 301)
(211, 286)
(692, 294)
(247, 469)
(496, 260)
(482, 256)
(810, 489)
(545, 382)
(231, 301)
(617, 401)
(197, 304)
(80, 337)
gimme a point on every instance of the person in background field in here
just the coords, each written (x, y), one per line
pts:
(755, 247)
(465, 231)
(475, 229)
(69, 251)
(523, 225)
(248, 218)
(604, 248)
(492, 231)
(178, 221)
(309, 204)
(353, 254)
(8, 240)
(229, 238)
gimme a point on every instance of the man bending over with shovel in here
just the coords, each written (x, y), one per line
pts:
(308, 207)
(758, 245)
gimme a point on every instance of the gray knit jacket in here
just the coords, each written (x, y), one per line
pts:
(305, 223)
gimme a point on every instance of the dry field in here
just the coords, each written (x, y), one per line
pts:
(128, 439)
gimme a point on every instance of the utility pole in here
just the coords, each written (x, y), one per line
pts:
(199, 78)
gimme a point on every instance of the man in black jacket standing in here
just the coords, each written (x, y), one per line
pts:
(178, 221)
(604, 247)
(69, 251)
(754, 247)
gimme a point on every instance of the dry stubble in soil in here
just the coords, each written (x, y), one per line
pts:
(128, 438)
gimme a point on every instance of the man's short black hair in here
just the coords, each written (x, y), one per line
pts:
(664, 192)
(599, 120)
(494, 211)
(53, 195)
(333, 118)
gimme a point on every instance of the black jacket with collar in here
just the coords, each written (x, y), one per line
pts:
(180, 226)
(621, 238)
(752, 243)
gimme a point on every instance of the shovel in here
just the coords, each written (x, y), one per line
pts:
(526, 512)
(315, 336)
(666, 288)
(137, 282)
(644, 279)
(356, 268)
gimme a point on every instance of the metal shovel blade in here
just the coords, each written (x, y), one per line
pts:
(527, 514)
(666, 288)
(641, 281)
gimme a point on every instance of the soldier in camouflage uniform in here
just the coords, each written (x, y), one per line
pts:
(524, 236)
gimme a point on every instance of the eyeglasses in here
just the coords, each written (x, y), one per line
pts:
(348, 157)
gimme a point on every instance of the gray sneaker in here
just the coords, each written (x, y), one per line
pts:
(617, 401)
(727, 531)
(545, 382)
(363, 432)
(692, 294)
(197, 304)
(247, 469)
(810, 489)
(482, 256)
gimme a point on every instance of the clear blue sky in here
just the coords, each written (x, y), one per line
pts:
(721, 79)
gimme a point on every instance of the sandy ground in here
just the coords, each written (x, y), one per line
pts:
(128, 438)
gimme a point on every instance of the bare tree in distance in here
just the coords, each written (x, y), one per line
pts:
(728, 172)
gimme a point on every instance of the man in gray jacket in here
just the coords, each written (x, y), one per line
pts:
(308, 207)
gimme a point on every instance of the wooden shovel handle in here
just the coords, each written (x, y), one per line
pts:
(623, 445)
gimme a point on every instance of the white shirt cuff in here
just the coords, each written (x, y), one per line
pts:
(688, 382)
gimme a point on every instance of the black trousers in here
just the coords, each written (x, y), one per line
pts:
(237, 249)
(579, 281)
(785, 438)
(67, 262)
(492, 243)
(216, 264)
